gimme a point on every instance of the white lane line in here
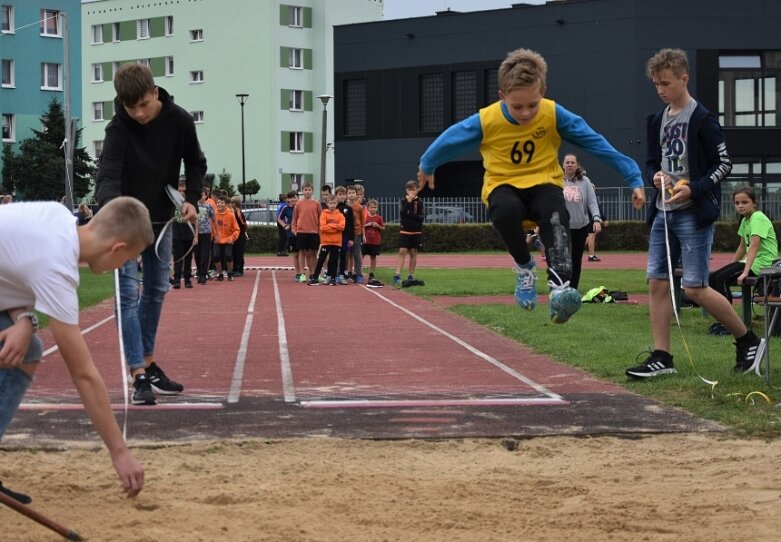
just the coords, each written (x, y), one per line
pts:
(65, 407)
(405, 403)
(83, 332)
(288, 387)
(479, 353)
(241, 356)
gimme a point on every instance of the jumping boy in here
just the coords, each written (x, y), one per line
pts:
(46, 279)
(519, 138)
(686, 164)
(410, 233)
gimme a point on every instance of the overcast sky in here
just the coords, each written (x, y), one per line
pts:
(402, 9)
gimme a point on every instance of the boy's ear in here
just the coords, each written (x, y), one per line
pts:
(117, 246)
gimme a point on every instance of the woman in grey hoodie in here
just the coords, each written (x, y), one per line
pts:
(581, 202)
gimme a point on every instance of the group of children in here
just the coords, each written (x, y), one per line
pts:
(338, 230)
(217, 242)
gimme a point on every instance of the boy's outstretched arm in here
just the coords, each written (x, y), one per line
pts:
(93, 394)
(459, 139)
(576, 131)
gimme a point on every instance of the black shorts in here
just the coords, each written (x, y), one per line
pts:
(370, 250)
(292, 246)
(409, 240)
(307, 241)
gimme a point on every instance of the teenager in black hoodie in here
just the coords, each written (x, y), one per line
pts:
(145, 144)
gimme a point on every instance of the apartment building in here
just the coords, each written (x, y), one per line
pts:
(205, 53)
(32, 52)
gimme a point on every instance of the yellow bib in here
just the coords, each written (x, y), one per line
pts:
(521, 156)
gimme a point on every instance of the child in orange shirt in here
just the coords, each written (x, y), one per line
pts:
(332, 223)
(227, 233)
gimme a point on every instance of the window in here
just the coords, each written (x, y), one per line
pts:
(491, 86)
(97, 73)
(143, 62)
(115, 32)
(98, 147)
(169, 66)
(295, 16)
(142, 29)
(97, 110)
(296, 58)
(196, 35)
(114, 67)
(296, 141)
(197, 116)
(355, 107)
(196, 76)
(296, 100)
(8, 127)
(97, 34)
(51, 76)
(464, 92)
(296, 181)
(8, 73)
(50, 23)
(8, 20)
(430, 91)
(169, 25)
(749, 86)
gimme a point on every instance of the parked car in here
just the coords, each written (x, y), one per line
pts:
(261, 216)
(448, 215)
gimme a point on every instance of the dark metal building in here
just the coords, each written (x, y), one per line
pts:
(400, 83)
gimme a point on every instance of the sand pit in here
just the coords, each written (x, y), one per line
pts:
(662, 487)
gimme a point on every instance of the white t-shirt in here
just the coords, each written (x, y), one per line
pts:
(39, 259)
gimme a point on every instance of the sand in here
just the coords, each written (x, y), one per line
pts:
(661, 487)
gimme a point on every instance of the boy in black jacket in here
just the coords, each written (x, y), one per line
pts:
(687, 162)
(412, 216)
(143, 150)
(347, 233)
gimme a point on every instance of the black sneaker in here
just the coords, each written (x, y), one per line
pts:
(21, 497)
(161, 383)
(230, 277)
(748, 353)
(142, 391)
(374, 283)
(313, 281)
(656, 364)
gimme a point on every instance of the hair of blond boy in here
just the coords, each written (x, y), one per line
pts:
(132, 82)
(373, 202)
(124, 219)
(236, 200)
(352, 187)
(674, 60)
(307, 184)
(523, 68)
(359, 188)
(330, 197)
(340, 190)
(411, 184)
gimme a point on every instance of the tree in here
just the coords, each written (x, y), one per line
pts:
(225, 183)
(252, 188)
(38, 171)
(9, 172)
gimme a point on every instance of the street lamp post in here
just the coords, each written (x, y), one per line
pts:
(242, 100)
(324, 98)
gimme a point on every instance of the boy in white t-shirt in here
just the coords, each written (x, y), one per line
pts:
(46, 279)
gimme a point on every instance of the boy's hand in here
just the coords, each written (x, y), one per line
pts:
(189, 212)
(15, 341)
(425, 180)
(130, 472)
(638, 197)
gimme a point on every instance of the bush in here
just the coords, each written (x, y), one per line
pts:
(628, 236)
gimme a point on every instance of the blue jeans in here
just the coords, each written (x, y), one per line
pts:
(690, 244)
(141, 313)
(14, 382)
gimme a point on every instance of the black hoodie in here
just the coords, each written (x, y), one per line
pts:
(139, 160)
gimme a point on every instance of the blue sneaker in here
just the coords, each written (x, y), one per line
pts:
(359, 279)
(525, 289)
(564, 300)
(396, 281)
